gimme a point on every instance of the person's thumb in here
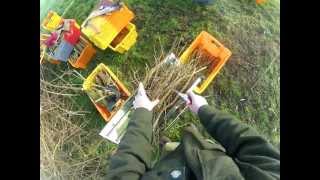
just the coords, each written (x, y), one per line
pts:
(141, 90)
(191, 95)
(154, 103)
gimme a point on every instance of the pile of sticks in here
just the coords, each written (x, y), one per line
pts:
(104, 91)
(163, 79)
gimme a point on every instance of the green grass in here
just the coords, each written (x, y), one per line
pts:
(248, 86)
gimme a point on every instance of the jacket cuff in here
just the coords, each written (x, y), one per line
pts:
(142, 113)
(203, 109)
(205, 112)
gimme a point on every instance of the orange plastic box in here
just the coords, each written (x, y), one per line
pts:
(210, 47)
(89, 82)
(85, 56)
(260, 1)
(102, 30)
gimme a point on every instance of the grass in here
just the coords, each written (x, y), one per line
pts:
(248, 86)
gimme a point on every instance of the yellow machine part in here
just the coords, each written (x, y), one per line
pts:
(52, 21)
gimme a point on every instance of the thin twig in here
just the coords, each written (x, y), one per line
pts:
(173, 121)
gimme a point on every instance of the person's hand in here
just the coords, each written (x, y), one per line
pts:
(142, 101)
(196, 102)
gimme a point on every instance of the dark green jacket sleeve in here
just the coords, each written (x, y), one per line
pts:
(133, 156)
(256, 158)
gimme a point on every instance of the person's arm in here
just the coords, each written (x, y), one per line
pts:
(133, 156)
(255, 156)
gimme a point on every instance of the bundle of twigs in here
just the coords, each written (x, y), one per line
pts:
(163, 79)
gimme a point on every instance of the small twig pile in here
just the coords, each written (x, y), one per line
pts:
(104, 91)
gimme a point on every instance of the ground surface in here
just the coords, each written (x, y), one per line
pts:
(248, 86)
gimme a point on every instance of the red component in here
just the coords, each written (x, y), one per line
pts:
(72, 36)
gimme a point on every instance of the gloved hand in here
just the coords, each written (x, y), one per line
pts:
(142, 101)
(196, 102)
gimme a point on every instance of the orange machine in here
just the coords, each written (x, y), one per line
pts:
(83, 50)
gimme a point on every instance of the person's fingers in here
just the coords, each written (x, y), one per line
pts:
(141, 90)
(155, 102)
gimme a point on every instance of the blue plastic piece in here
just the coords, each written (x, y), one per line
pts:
(63, 51)
(204, 2)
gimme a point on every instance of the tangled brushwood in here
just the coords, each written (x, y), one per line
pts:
(163, 79)
(67, 149)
